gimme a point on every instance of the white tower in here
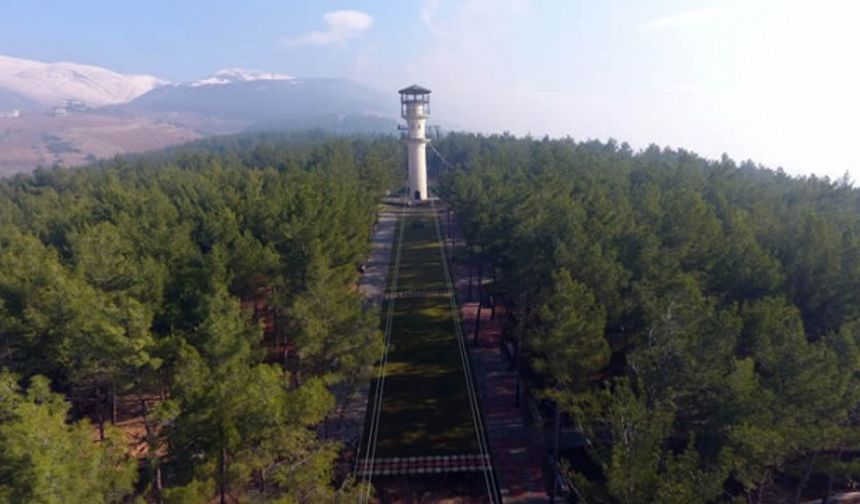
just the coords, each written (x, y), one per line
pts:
(415, 107)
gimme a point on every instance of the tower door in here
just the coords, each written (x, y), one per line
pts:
(417, 195)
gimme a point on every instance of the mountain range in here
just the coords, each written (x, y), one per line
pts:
(34, 83)
(69, 114)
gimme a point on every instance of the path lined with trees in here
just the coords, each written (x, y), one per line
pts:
(424, 418)
(352, 401)
(516, 439)
(696, 322)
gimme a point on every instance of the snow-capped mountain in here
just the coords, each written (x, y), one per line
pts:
(68, 113)
(233, 75)
(53, 83)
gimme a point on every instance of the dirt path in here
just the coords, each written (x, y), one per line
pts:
(518, 449)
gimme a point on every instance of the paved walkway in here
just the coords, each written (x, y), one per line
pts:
(374, 281)
(348, 420)
(518, 450)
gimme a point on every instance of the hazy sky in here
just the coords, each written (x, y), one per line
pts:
(775, 81)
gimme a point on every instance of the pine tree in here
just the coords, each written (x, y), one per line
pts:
(45, 459)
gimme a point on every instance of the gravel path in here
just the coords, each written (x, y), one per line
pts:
(375, 278)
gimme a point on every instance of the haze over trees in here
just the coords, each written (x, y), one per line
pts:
(698, 321)
(127, 280)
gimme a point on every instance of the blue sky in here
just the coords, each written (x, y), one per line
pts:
(776, 81)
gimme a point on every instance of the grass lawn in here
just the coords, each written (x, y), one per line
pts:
(420, 261)
(425, 406)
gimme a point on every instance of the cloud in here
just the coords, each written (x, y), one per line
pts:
(428, 8)
(471, 59)
(341, 25)
(694, 18)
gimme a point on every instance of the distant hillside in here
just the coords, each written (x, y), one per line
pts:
(11, 100)
(70, 113)
(282, 103)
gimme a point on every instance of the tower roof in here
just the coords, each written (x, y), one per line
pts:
(414, 89)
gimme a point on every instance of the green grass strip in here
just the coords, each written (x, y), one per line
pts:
(425, 404)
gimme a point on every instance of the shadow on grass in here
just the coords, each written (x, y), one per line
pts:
(425, 406)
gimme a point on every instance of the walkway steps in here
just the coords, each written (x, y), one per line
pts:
(426, 465)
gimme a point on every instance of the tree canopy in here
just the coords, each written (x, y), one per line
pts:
(696, 319)
(139, 277)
